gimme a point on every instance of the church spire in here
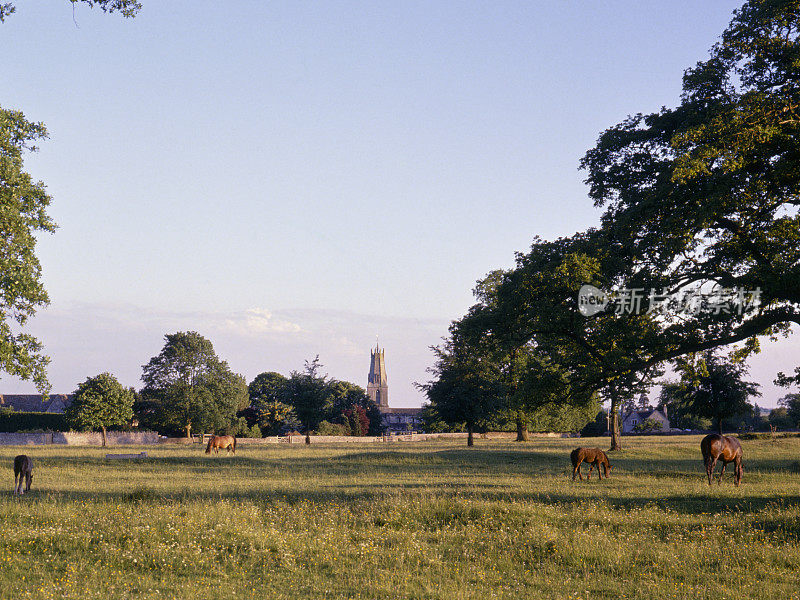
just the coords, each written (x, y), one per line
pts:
(377, 384)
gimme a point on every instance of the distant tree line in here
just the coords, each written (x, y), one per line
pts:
(189, 389)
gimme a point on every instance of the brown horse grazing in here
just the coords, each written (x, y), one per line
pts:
(23, 468)
(593, 457)
(728, 449)
(221, 441)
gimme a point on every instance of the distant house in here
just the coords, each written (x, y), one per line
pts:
(631, 419)
(401, 419)
(55, 403)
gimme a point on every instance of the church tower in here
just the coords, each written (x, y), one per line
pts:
(377, 387)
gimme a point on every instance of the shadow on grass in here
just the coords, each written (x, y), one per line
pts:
(678, 503)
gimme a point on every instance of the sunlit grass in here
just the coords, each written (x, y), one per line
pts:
(427, 520)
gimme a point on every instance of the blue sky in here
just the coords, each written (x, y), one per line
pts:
(295, 178)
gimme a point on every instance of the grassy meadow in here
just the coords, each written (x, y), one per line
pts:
(404, 520)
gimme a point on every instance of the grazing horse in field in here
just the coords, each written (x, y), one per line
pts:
(221, 441)
(721, 447)
(594, 457)
(23, 468)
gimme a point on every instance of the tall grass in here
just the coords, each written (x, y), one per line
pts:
(427, 520)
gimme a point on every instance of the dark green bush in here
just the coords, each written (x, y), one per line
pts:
(11, 421)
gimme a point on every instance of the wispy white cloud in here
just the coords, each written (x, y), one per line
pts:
(253, 321)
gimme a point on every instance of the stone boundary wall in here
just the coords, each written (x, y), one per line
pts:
(136, 438)
(342, 439)
(408, 437)
(75, 438)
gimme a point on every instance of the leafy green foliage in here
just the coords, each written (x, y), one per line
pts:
(99, 403)
(353, 406)
(710, 387)
(188, 387)
(23, 212)
(791, 402)
(267, 387)
(780, 420)
(356, 420)
(11, 421)
(648, 426)
(276, 418)
(525, 347)
(338, 429)
(307, 393)
(705, 195)
(465, 388)
(277, 403)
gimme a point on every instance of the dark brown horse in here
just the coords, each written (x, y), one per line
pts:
(721, 447)
(23, 468)
(594, 457)
(221, 441)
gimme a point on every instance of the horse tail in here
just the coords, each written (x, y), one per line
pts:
(234, 444)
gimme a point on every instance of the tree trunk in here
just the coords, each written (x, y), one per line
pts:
(719, 425)
(308, 436)
(470, 441)
(104, 436)
(616, 438)
(522, 428)
(189, 430)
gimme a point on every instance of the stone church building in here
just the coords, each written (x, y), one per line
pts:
(395, 420)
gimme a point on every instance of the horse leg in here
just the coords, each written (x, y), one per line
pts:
(721, 473)
(16, 487)
(711, 462)
(578, 469)
(737, 472)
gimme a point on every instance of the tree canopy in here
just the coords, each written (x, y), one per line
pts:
(308, 399)
(711, 386)
(100, 402)
(23, 212)
(704, 196)
(187, 387)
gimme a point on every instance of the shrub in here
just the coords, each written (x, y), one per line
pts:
(11, 421)
(648, 426)
(327, 428)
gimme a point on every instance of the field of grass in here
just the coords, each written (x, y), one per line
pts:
(421, 520)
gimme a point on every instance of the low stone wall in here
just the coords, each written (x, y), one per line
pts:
(25, 439)
(343, 439)
(75, 438)
(135, 438)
